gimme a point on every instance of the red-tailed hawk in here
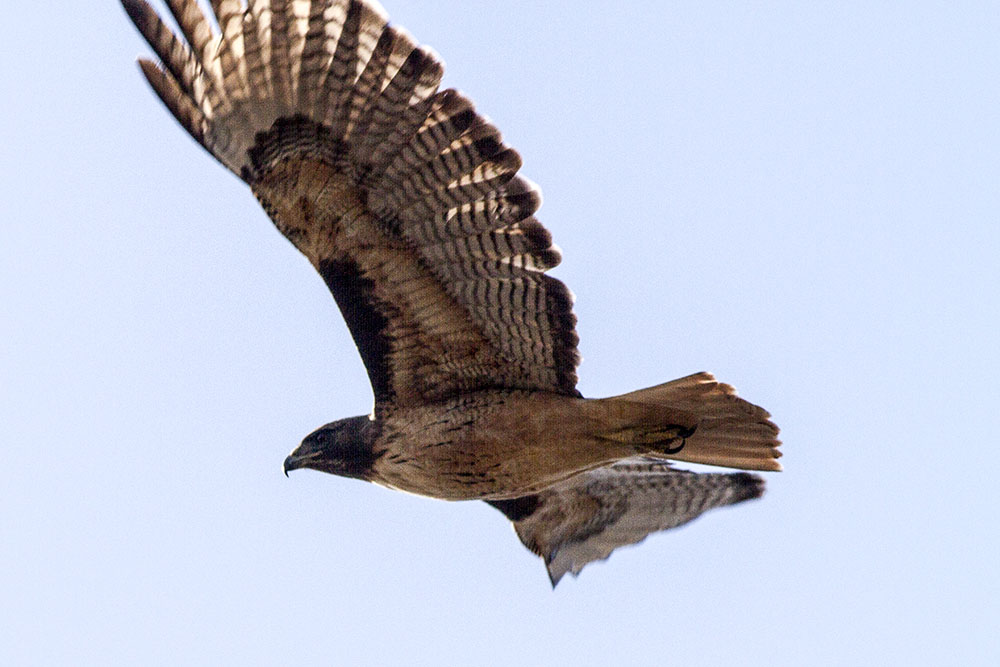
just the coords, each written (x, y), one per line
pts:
(409, 205)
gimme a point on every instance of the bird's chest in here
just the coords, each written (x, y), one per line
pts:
(481, 447)
(444, 453)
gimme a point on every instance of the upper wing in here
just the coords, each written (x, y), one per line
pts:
(405, 199)
(588, 516)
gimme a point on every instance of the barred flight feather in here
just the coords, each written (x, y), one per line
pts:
(588, 516)
(282, 83)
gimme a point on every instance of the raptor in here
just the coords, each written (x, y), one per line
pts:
(410, 207)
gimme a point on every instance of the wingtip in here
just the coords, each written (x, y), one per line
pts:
(147, 66)
(555, 570)
(748, 486)
(137, 10)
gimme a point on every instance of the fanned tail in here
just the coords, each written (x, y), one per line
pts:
(727, 430)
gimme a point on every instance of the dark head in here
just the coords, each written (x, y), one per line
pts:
(344, 448)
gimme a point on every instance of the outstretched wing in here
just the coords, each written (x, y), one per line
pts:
(404, 198)
(586, 517)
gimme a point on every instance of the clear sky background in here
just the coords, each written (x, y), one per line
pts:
(799, 197)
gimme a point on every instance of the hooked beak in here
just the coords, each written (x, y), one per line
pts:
(293, 462)
(298, 459)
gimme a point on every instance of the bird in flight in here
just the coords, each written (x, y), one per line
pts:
(410, 207)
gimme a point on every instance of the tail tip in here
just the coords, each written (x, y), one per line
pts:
(747, 486)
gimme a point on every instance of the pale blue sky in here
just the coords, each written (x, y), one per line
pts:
(800, 197)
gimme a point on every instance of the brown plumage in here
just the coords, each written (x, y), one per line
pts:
(409, 205)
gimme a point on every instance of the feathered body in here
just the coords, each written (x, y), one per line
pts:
(409, 205)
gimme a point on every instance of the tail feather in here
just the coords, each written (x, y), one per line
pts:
(729, 431)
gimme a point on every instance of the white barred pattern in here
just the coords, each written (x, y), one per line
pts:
(434, 173)
(586, 517)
